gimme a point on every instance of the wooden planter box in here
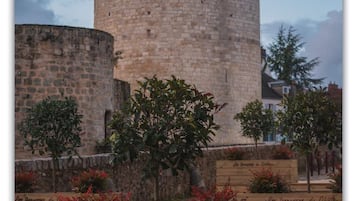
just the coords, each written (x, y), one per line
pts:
(240, 196)
(44, 196)
(289, 197)
(239, 172)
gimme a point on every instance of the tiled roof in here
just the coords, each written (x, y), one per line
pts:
(268, 92)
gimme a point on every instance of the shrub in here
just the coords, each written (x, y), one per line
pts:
(282, 152)
(235, 154)
(336, 184)
(264, 181)
(103, 146)
(226, 194)
(89, 196)
(94, 179)
(24, 182)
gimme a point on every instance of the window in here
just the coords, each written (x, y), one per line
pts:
(107, 117)
(270, 106)
(286, 89)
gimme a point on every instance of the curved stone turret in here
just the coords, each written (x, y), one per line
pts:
(214, 44)
(55, 61)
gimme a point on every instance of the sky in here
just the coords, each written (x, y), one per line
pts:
(319, 22)
(320, 25)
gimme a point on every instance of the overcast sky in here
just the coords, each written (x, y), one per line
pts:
(319, 22)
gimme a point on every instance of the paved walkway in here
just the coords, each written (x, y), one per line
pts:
(322, 178)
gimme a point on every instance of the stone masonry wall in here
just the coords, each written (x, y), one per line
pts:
(213, 44)
(55, 61)
(127, 177)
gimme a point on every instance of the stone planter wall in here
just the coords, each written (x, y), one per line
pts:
(126, 177)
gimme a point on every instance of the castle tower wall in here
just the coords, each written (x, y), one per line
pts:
(213, 44)
(55, 61)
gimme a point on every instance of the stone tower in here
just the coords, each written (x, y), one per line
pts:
(75, 62)
(213, 44)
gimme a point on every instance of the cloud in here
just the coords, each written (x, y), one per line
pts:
(327, 44)
(33, 12)
(73, 12)
(323, 39)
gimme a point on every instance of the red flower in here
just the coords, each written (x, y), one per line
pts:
(94, 179)
(24, 182)
(226, 194)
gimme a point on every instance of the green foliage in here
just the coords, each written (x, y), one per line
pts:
(265, 181)
(169, 121)
(94, 179)
(309, 120)
(336, 183)
(52, 127)
(284, 60)
(255, 120)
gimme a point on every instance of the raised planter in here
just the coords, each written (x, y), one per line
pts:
(239, 172)
(45, 196)
(240, 196)
(289, 197)
(42, 196)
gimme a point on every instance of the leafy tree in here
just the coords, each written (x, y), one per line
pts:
(284, 60)
(309, 120)
(167, 121)
(255, 121)
(52, 127)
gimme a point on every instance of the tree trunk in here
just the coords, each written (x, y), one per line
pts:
(195, 177)
(256, 149)
(156, 186)
(308, 172)
(54, 169)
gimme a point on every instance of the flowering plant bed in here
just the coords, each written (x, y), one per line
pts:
(66, 196)
(24, 182)
(94, 179)
(240, 172)
(289, 197)
(239, 196)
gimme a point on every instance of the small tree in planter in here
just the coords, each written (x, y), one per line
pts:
(168, 121)
(309, 120)
(52, 127)
(255, 121)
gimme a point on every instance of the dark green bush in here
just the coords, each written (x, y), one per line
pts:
(336, 184)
